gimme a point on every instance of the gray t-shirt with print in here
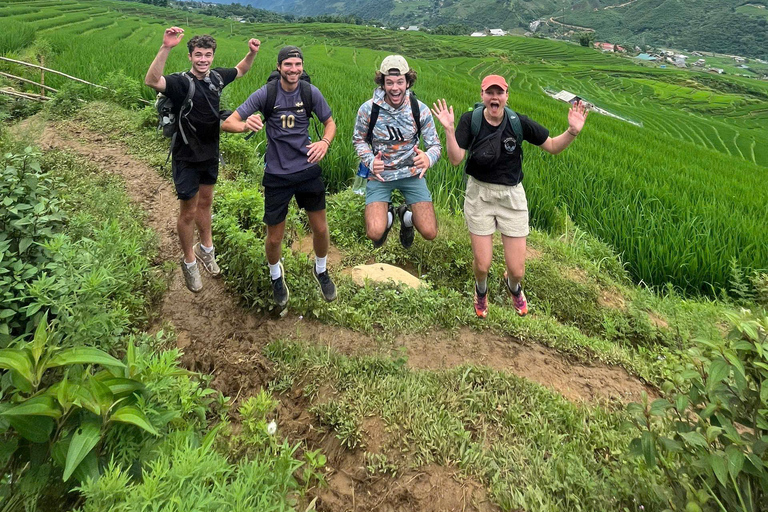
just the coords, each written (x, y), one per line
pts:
(287, 130)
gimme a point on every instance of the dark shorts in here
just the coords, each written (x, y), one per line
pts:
(307, 186)
(188, 176)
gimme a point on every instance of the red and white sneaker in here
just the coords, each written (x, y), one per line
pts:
(518, 300)
(481, 304)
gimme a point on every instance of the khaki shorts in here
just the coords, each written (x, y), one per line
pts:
(489, 207)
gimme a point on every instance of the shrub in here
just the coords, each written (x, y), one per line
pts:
(708, 435)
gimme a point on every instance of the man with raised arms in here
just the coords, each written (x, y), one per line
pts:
(386, 138)
(292, 168)
(495, 199)
(195, 157)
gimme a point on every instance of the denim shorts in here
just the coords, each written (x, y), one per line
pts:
(414, 189)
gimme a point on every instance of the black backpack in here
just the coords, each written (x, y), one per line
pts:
(170, 115)
(415, 112)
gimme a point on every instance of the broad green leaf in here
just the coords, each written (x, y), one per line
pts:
(7, 447)
(718, 370)
(6, 313)
(671, 444)
(83, 355)
(101, 394)
(32, 428)
(736, 362)
(24, 244)
(735, 459)
(85, 438)
(18, 360)
(121, 387)
(40, 340)
(134, 416)
(649, 448)
(38, 406)
(681, 403)
(694, 438)
(717, 463)
(659, 407)
(84, 398)
(712, 433)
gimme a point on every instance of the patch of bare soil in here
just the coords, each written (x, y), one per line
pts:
(221, 338)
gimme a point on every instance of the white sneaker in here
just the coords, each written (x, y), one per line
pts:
(191, 276)
(208, 260)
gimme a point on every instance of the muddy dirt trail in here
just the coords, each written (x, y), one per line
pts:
(219, 337)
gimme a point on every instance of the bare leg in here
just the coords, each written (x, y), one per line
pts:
(424, 219)
(482, 253)
(376, 219)
(514, 257)
(203, 214)
(185, 226)
(274, 242)
(321, 240)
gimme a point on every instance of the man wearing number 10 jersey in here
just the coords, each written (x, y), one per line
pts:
(291, 162)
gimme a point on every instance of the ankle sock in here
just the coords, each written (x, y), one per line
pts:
(189, 265)
(206, 250)
(408, 219)
(390, 219)
(274, 271)
(515, 289)
(320, 264)
(482, 286)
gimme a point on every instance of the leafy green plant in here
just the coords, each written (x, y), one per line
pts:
(64, 413)
(709, 435)
(30, 214)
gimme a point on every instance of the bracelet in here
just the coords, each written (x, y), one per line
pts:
(572, 134)
(326, 141)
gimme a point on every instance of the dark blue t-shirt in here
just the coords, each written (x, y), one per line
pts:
(287, 130)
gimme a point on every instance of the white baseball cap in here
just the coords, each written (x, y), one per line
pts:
(396, 62)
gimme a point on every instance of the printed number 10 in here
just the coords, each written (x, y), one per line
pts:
(288, 121)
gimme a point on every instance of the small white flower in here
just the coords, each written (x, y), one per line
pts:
(301, 317)
(272, 427)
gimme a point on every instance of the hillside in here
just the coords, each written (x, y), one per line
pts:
(729, 26)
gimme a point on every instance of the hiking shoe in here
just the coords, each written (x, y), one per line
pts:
(191, 276)
(481, 304)
(280, 289)
(378, 243)
(406, 233)
(327, 287)
(208, 259)
(518, 301)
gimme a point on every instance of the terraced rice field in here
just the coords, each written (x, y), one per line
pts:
(682, 197)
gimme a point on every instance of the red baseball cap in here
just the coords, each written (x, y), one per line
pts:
(496, 80)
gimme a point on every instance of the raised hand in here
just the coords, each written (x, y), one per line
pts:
(420, 163)
(443, 113)
(253, 45)
(172, 36)
(577, 116)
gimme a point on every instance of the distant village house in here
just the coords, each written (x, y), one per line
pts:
(610, 47)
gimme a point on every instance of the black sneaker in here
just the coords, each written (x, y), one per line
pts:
(280, 289)
(327, 287)
(406, 234)
(378, 243)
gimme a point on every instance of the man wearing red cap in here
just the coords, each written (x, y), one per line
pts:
(495, 199)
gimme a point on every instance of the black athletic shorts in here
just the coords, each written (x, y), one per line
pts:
(188, 176)
(307, 186)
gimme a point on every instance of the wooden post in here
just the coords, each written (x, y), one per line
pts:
(42, 74)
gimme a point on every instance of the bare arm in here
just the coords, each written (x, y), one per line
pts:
(245, 65)
(444, 114)
(235, 123)
(577, 116)
(155, 78)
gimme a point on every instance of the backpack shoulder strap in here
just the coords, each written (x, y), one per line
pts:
(306, 97)
(185, 107)
(269, 103)
(514, 122)
(477, 121)
(416, 113)
(372, 122)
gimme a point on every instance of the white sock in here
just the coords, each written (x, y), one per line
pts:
(390, 219)
(206, 250)
(274, 271)
(482, 286)
(320, 264)
(408, 219)
(190, 265)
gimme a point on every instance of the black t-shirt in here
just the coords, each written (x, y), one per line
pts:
(204, 116)
(508, 169)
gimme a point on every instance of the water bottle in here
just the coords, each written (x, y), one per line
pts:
(361, 180)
